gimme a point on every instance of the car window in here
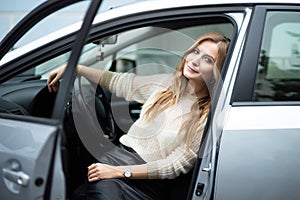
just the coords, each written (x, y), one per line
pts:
(155, 53)
(56, 21)
(278, 73)
(144, 50)
(42, 70)
(149, 50)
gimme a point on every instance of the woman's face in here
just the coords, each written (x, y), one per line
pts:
(200, 62)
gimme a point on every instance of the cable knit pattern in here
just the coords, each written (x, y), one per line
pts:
(158, 142)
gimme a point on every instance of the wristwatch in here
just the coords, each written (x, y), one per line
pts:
(127, 173)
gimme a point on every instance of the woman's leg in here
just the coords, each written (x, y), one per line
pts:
(112, 189)
(119, 189)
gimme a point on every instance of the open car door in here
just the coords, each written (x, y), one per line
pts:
(30, 147)
(28, 157)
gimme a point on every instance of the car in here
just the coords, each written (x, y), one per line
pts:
(250, 148)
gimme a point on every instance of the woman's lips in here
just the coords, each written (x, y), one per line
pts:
(191, 69)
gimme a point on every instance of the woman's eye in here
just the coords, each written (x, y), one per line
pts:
(208, 60)
(195, 51)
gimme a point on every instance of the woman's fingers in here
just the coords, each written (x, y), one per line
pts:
(93, 177)
(93, 173)
(92, 169)
(52, 86)
(54, 77)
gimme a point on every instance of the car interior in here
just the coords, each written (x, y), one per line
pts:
(144, 51)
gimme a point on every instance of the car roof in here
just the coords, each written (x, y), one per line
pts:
(134, 8)
(152, 4)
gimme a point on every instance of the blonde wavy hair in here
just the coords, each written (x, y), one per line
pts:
(201, 106)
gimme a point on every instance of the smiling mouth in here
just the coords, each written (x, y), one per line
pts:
(191, 69)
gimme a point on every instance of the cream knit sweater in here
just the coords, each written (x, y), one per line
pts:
(158, 142)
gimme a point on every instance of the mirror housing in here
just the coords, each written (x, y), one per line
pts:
(108, 40)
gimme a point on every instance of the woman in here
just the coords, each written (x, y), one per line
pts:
(167, 135)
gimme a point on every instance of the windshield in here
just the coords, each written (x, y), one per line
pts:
(54, 22)
(14, 10)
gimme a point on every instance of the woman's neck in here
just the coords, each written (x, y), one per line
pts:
(199, 89)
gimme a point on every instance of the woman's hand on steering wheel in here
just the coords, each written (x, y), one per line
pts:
(54, 77)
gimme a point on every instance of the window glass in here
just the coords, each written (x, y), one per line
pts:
(43, 70)
(153, 50)
(278, 74)
(144, 51)
(56, 21)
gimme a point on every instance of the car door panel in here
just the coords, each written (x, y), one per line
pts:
(249, 170)
(259, 158)
(26, 153)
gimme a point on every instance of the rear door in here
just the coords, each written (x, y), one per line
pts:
(259, 147)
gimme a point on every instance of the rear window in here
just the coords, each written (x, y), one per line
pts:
(278, 74)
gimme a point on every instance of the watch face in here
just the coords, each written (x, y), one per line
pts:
(127, 173)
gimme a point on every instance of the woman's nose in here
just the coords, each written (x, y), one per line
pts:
(196, 61)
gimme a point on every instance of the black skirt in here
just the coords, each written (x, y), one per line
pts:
(115, 189)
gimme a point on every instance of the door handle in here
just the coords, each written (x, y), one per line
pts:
(17, 177)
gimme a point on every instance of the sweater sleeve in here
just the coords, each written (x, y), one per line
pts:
(180, 160)
(133, 87)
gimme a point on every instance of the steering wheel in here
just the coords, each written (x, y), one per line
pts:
(104, 114)
(92, 102)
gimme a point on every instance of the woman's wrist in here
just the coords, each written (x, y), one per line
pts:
(78, 69)
(120, 172)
